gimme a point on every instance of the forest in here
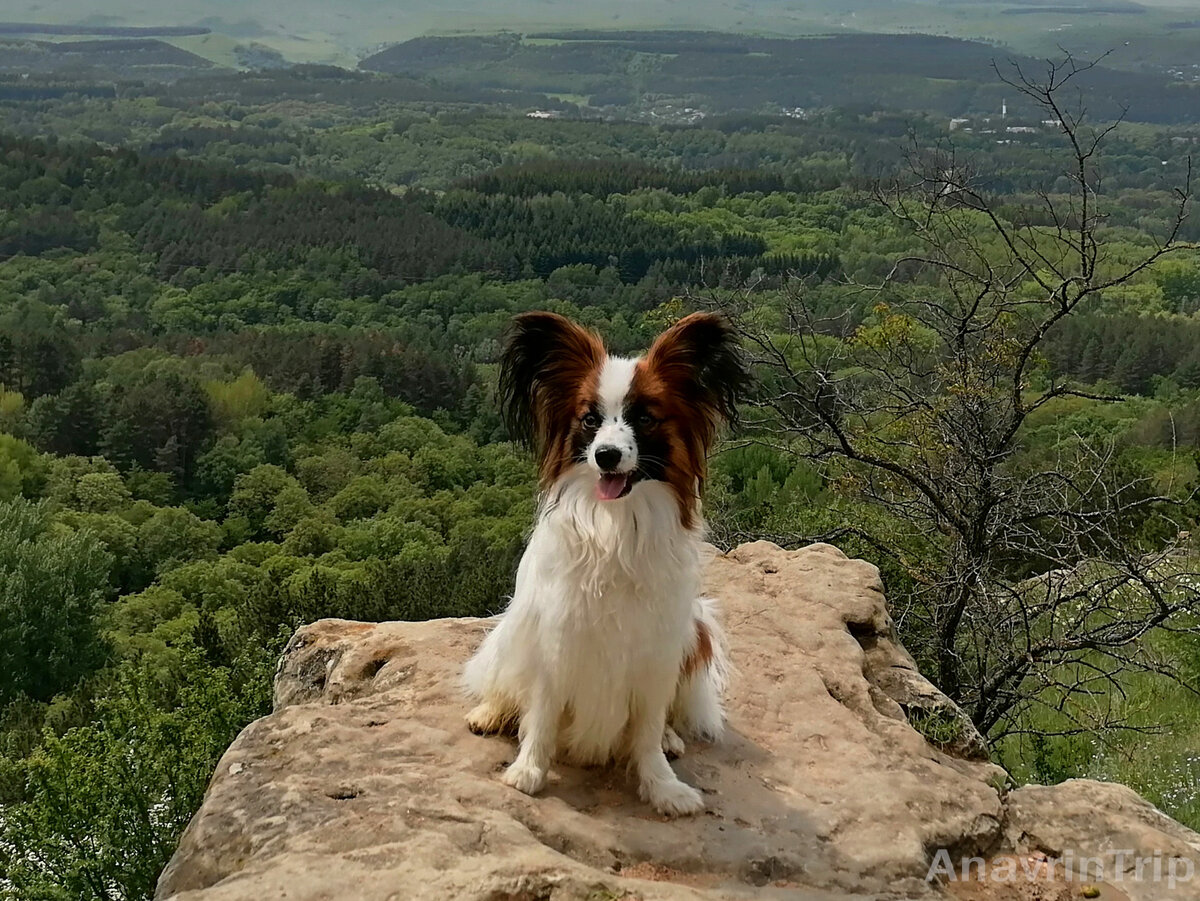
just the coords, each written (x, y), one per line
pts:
(248, 336)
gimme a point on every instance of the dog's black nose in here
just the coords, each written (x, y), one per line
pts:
(607, 456)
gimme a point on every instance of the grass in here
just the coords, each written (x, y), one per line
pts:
(217, 48)
(569, 98)
(941, 728)
(1164, 767)
(1161, 763)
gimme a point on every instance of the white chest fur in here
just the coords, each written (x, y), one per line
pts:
(602, 610)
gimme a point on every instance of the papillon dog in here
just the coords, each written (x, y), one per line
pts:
(607, 650)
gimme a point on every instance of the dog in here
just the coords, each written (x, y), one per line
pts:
(606, 649)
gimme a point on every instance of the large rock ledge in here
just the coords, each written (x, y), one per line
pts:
(365, 783)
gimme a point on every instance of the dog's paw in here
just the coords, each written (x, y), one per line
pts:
(528, 779)
(672, 744)
(489, 718)
(672, 799)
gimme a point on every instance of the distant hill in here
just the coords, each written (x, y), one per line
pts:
(666, 73)
(342, 33)
(102, 59)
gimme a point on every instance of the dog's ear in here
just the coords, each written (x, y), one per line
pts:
(701, 358)
(546, 362)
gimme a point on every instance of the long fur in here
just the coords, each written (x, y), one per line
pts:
(607, 651)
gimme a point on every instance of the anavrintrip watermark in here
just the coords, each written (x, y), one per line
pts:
(1116, 866)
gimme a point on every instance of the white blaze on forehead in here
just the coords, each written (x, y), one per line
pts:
(616, 378)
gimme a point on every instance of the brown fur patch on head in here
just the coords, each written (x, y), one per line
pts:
(678, 431)
(691, 376)
(548, 378)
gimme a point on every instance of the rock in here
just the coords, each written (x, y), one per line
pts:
(366, 784)
(1098, 820)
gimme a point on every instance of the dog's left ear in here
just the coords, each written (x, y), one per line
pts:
(546, 358)
(701, 357)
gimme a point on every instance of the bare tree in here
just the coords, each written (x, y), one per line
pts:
(1027, 584)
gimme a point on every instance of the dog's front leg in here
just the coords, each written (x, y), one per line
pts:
(657, 782)
(539, 737)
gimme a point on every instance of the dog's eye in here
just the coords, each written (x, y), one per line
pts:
(645, 420)
(591, 420)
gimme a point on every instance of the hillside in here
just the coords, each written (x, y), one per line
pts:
(666, 75)
(668, 72)
(1154, 35)
(128, 58)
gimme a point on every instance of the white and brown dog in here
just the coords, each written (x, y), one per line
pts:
(607, 649)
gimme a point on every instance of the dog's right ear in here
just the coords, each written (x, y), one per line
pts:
(546, 363)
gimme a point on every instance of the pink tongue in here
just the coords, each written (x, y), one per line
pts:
(609, 487)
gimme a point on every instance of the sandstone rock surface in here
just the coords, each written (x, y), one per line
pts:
(366, 784)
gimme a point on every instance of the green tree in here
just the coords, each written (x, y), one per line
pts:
(52, 583)
(172, 536)
(255, 495)
(104, 804)
(1180, 283)
(22, 469)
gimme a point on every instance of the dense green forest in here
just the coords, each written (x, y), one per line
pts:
(248, 329)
